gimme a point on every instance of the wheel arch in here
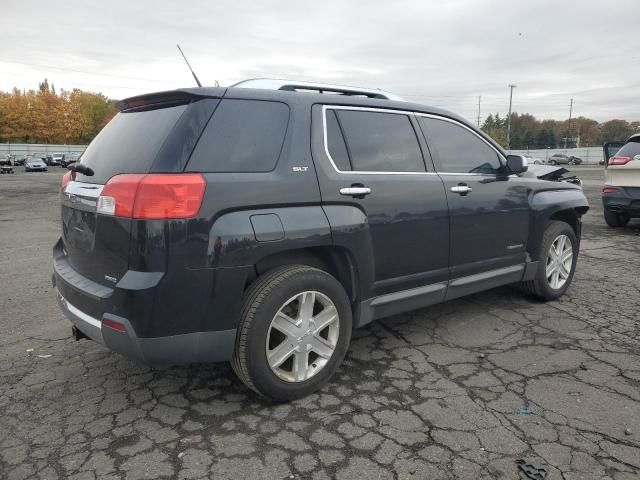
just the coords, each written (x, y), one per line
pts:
(337, 261)
(565, 205)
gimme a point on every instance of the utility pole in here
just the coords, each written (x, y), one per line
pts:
(569, 128)
(511, 87)
(479, 99)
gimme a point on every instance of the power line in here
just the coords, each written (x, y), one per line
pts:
(84, 72)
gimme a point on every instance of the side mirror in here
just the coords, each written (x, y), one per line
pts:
(517, 164)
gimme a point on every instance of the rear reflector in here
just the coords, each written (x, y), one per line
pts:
(117, 326)
(153, 196)
(610, 190)
(619, 160)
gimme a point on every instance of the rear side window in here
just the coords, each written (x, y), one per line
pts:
(459, 150)
(242, 136)
(377, 141)
(129, 143)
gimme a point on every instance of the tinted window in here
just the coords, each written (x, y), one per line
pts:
(459, 150)
(380, 142)
(335, 143)
(129, 143)
(242, 136)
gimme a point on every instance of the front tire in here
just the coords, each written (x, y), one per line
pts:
(615, 220)
(295, 329)
(557, 258)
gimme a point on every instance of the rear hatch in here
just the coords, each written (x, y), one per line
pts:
(154, 133)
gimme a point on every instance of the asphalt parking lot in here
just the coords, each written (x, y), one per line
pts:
(459, 390)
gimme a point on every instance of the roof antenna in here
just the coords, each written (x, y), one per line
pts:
(187, 61)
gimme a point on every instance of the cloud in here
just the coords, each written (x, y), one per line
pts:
(443, 53)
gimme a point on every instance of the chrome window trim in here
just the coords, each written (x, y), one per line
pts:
(363, 109)
(501, 158)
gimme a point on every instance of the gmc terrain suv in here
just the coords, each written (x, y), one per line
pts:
(261, 223)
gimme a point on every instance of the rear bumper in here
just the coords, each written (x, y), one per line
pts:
(198, 347)
(626, 202)
(140, 305)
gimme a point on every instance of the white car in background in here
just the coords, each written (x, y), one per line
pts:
(535, 160)
(621, 191)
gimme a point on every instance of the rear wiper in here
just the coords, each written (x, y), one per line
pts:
(80, 168)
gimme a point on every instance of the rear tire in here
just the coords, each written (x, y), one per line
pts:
(281, 295)
(549, 287)
(615, 220)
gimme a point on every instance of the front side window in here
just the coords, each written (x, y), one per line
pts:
(373, 141)
(458, 149)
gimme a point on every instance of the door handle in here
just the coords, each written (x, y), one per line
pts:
(462, 189)
(354, 191)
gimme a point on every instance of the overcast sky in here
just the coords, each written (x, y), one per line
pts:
(443, 53)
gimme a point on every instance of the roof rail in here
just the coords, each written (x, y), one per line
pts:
(296, 86)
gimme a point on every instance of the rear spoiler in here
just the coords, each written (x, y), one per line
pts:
(169, 98)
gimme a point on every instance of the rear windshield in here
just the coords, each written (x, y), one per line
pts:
(129, 143)
(631, 149)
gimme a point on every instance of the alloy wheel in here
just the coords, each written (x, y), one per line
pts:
(559, 262)
(302, 336)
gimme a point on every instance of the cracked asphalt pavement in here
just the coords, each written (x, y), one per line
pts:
(459, 390)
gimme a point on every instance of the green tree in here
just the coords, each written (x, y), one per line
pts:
(494, 126)
(546, 136)
(615, 130)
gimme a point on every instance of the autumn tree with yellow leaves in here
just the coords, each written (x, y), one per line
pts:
(45, 116)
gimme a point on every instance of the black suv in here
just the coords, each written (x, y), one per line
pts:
(261, 223)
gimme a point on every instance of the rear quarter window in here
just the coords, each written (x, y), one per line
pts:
(242, 136)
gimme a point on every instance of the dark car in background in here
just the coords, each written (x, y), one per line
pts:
(19, 160)
(69, 158)
(261, 223)
(35, 164)
(563, 159)
(6, 164)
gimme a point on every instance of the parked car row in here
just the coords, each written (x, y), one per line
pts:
(49, 159)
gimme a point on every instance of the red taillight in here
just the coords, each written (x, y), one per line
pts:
(610, 190)
(619, 160)
(153, 196)
(117, 326)
(66, 178)
(118, 195)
